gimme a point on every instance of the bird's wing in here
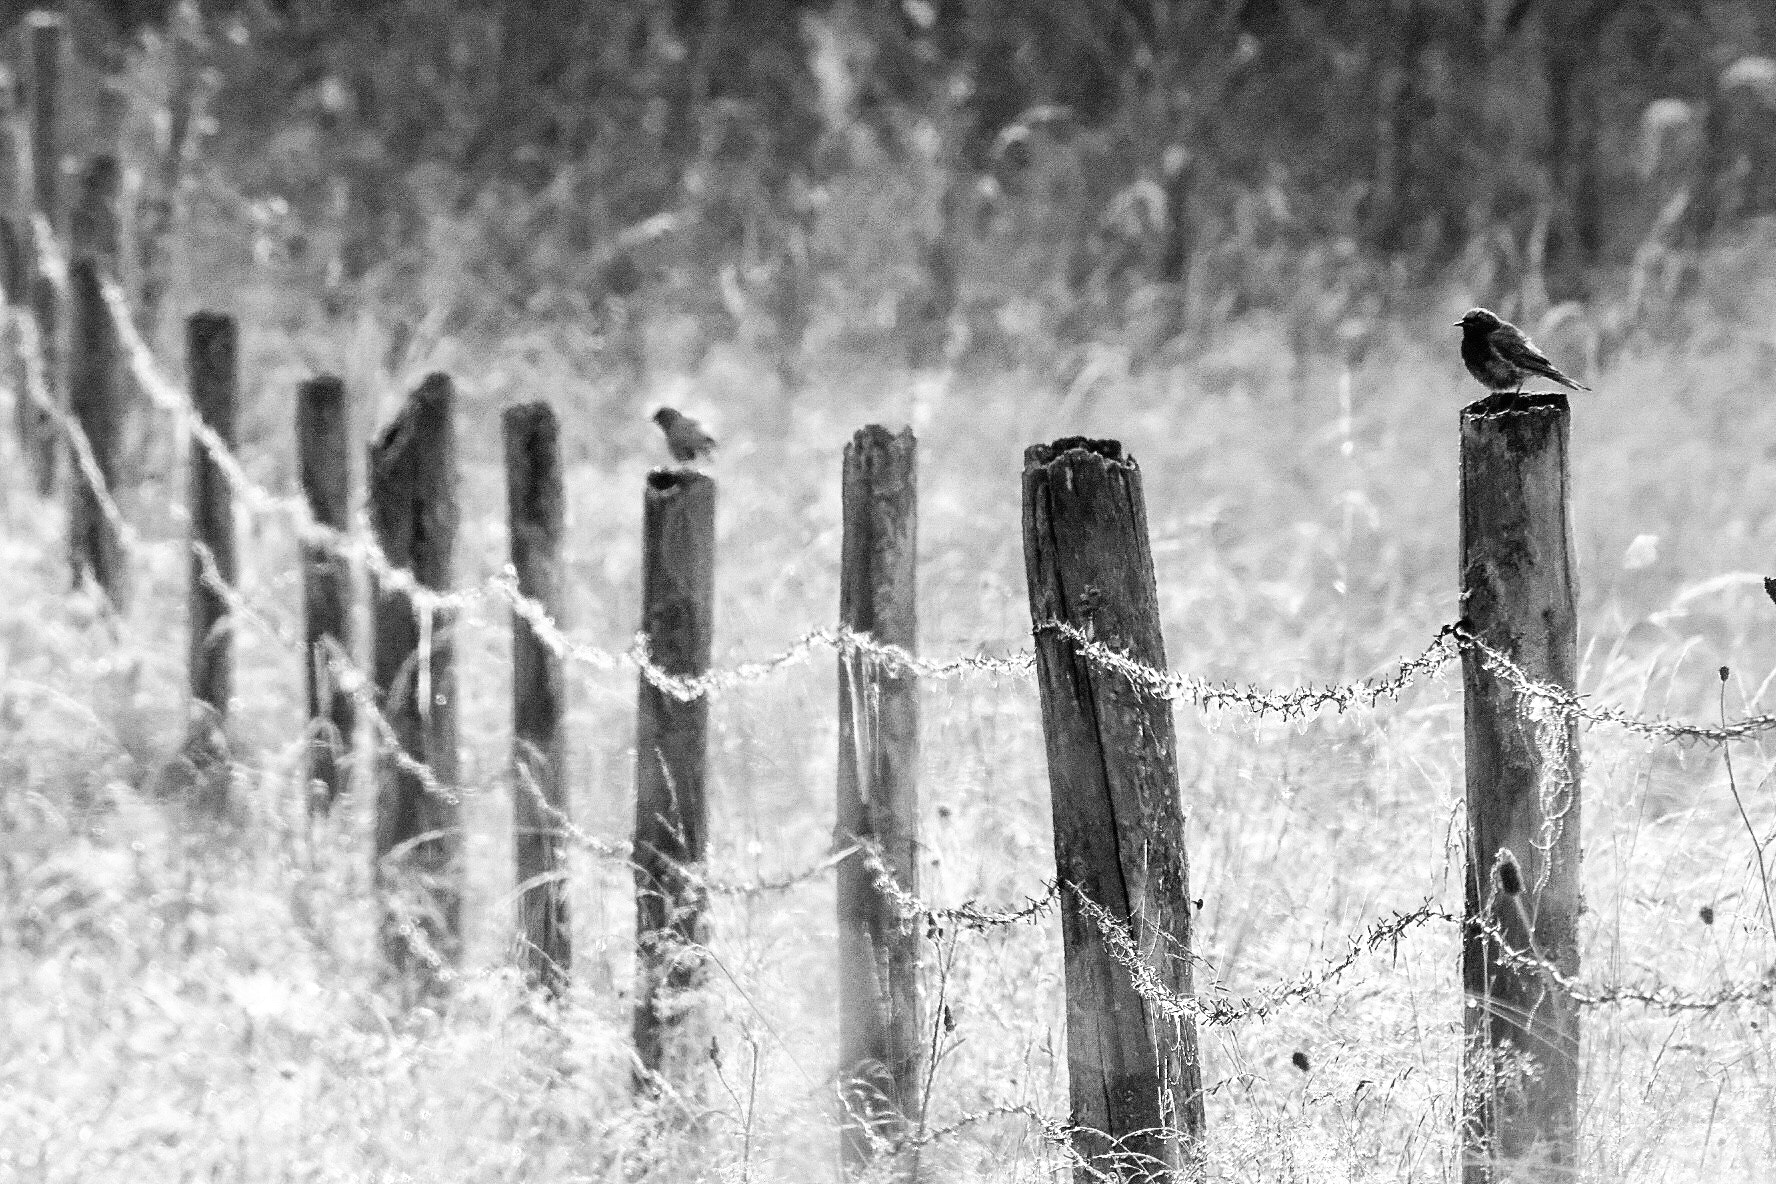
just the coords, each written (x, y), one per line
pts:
(1516, 347)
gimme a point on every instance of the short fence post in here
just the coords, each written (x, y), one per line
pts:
(46, 38)
(881, 1005)
(323, 441)
(413, 515)
(671, 750)
(96, 389)
(1133, 1068)
(211, 353)
(1521, 1065)
(535, 505)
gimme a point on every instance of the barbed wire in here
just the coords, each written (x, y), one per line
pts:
(1566, 704)
(1211, 1006)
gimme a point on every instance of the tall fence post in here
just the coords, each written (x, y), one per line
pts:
(45, 34)
(96, 389)
(413, 515)
(14, 201)
(881, 1003)
(1132, 1063)
(535, 505)
(1521, 1066)
(211, 353)
(671, 751)
(323, 443)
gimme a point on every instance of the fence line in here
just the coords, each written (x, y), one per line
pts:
(1433, 660)
(1204, 1003)
(1447, 644)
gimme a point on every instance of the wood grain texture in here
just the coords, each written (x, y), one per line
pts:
(536, 510)
(1519, 592)
(882, 1033)
(413, 513)
(211, 353)
(96, 387)
(323, 450)
(1134, 1074)
(671, 748)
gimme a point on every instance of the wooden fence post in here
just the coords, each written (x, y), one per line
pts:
(96, 389)
(1134, 1072)
(323, 442)
(211, 353)
(536, 508)
(413, 515)
(671, 749)
(881, 1004)
(1521, 1065)
(14, 201)
(46, 38)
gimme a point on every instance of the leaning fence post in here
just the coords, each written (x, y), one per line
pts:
(1521, 1065)
(95, 382)
(46, 38)
(1133, 1069)
(413, 516)
(323, 442)
(671, 812)
(881, 1004)
(535, 505)
(210, 352)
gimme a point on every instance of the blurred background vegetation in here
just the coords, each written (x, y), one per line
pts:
(959, 180)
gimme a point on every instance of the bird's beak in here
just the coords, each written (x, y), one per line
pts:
(1459, 324)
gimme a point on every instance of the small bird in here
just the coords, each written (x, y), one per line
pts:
(684, 435)
(1500, 356)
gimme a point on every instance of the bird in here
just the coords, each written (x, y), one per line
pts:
(1501, 356)
(685, 437)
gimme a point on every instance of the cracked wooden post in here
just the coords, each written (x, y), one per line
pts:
(1133, 1069)
(45, 40)
(535, 505)
(1520, 1072)
(882, 1032)
(96, 386)
(671, 743)
(413, 515)
(210, 352)
(323, 443)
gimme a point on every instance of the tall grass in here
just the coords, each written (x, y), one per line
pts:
(187, 997)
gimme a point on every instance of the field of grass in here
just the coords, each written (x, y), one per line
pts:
(186, 998)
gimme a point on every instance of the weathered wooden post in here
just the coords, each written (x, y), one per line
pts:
(211, 352)
(1133, 1069)
(96, 387)
(535, 505)
(881, 1005)
(1519, 589)
(323, 442)
(671, 749)
(413, 515)
(14, 201)
(45, 34)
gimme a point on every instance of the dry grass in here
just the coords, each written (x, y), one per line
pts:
(187, 999)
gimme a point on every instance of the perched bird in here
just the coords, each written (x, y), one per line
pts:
(684, 435)
(1501, 357)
